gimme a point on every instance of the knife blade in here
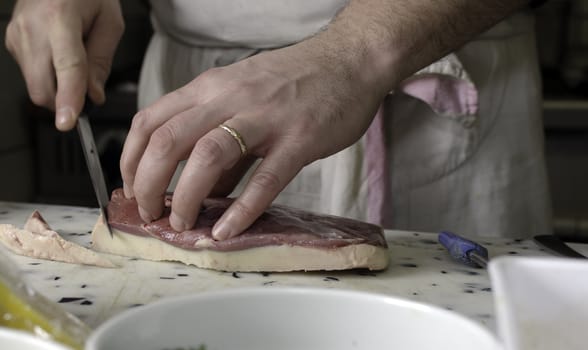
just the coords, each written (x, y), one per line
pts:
(93, 161)
(556, 245)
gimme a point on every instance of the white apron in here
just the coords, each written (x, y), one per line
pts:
(479, 173)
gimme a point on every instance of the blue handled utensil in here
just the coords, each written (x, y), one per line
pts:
(464, 250)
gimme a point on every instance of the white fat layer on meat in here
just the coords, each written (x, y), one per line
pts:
(275, 258)
(37, 240)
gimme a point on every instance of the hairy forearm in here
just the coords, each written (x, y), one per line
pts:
(392, 39)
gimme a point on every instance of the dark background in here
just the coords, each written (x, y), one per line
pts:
(40, 164)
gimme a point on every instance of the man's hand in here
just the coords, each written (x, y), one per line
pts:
(64, 50)
(291, 106)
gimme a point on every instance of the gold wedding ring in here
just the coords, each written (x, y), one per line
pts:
(235, 134)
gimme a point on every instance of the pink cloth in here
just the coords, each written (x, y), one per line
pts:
(377, 179)
(446, 95)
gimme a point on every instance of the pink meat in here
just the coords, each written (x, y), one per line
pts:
(277, 226)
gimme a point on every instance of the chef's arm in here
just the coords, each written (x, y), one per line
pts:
(394, 38)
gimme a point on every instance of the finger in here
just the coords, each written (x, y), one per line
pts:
(34, 60)
(71, 71)
(101, 44)
(40, 80)
(271, 176)
(216, 152)
(145, 122)
(230, 178)
(149, 119)
(169, 144)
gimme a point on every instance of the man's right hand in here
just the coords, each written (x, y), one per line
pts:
(64, 49)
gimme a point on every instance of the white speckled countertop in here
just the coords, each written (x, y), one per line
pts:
(420, 270)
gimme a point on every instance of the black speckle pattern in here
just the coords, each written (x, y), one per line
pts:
(429, 241)
(331, 278)
(420, 268)
(409, 265)
(69, 299)
(364, 272)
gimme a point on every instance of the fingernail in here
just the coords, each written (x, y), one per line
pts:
(222, 231)
(177, 223)
(145, 215)
(64, 117)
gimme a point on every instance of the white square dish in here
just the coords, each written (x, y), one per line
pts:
(541, 302)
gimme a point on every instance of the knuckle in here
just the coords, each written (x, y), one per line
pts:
(208, 78)
(10, 37)
(163, 141)
(20, 31)
(207, 152)
(266, 180)
(67, 62)
(118, 25)
(141, 123)
(243, 209)
(57, 8)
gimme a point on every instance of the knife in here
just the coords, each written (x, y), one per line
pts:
(94, 167)
(556, 245)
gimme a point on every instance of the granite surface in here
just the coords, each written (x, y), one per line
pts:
(420, 270)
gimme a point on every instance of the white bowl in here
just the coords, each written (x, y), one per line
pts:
(290, 318)
(541, 302)
(11, 339)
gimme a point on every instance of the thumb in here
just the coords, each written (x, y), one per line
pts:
(101, 44)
